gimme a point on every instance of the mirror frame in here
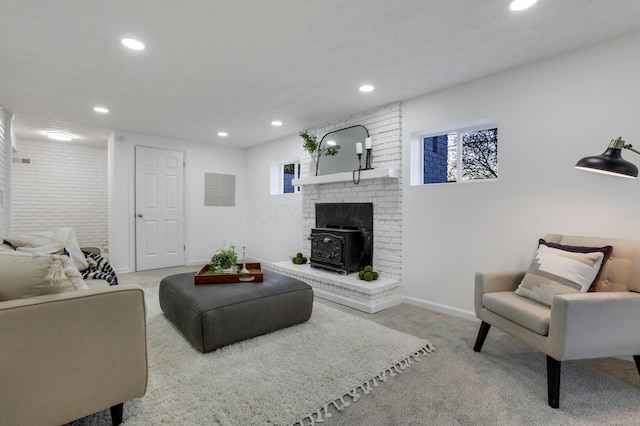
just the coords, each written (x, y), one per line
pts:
(328, 158)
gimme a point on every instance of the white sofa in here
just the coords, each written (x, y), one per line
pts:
(65, 356)
(69, 347)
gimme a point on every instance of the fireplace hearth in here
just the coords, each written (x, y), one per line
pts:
(343, 238)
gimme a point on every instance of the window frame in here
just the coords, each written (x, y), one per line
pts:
(417, 150)
(296, 175)
(277, 178)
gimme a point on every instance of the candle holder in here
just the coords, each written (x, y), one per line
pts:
(357, 180)
(367, 163)
(244, 269)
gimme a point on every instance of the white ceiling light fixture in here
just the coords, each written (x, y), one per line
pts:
(366, 88)
(60, 136)
(101, 110)
(521, 4)
(133, 44)
(223, 134)
(276, 123)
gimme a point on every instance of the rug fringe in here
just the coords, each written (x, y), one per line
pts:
(366, 388)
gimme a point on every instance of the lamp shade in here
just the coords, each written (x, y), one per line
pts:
(610, 162)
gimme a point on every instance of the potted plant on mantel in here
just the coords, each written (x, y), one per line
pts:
(315, 148)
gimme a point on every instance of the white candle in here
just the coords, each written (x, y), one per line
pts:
(367, 143)
(359, 148)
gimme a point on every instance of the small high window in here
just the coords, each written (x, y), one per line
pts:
(282, 175)
(290, 171)
(469, 153)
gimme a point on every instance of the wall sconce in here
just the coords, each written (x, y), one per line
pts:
(611, 162)
(359, 154)
(368, 147)
(367, 166)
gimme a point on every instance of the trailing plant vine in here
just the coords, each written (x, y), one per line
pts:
(315, 149)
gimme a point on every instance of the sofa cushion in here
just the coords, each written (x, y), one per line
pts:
(64, 235)
(561, 269)
(50, 248)
(67, 236)
(525, 312)
(6, 247)
(26, 275)
(28, 240)
(620, 271)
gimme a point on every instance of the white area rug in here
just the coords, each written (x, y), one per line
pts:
(287, 377)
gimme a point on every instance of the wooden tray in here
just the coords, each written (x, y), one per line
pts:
(205, 276)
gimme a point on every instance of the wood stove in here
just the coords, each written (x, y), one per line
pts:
(343, 238)
(337, 250)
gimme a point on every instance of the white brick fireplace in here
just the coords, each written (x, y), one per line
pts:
(382, 187)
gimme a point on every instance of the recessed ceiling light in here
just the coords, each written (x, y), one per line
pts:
(522, 4)
(60, 136)
(366, 88)
(133, 44)
(331, 143)
(276, 123)
(223, 134)
(101, 110)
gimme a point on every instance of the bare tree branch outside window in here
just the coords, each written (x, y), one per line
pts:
(452, 157)
(480, 154)
(474, 152)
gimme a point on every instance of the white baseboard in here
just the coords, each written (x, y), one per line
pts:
(443, 309)
(364, 307)
(197, 262)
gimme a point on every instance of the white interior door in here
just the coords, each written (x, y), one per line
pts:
(159, 208)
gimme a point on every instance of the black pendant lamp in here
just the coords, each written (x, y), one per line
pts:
(611, 162)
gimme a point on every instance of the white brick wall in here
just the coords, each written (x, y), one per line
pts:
(385, 129)
(61, 185)
(5, 167)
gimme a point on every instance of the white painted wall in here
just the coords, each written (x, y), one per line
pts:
(207, 228)
(60, 184)
(550, 114)
(274, 229)
(5, 171)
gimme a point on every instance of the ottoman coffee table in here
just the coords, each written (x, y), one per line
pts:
(214, 315)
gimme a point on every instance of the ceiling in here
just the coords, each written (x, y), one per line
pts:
(235, 66)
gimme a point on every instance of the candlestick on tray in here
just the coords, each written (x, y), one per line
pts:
(244, 269)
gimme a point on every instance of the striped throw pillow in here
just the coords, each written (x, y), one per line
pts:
(561, 269)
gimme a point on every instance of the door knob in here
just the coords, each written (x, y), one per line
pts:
(140, 215)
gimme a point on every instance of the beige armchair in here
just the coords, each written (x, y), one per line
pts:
(68, 355)
(602, 323)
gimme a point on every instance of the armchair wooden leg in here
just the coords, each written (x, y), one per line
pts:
(482, 335)
(636, 358)
(116, 414)
(553, 381)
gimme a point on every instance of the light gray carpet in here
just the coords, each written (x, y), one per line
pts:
(288, 376)
(505, 384)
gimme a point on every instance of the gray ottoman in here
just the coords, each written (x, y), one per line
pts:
(214, 315)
